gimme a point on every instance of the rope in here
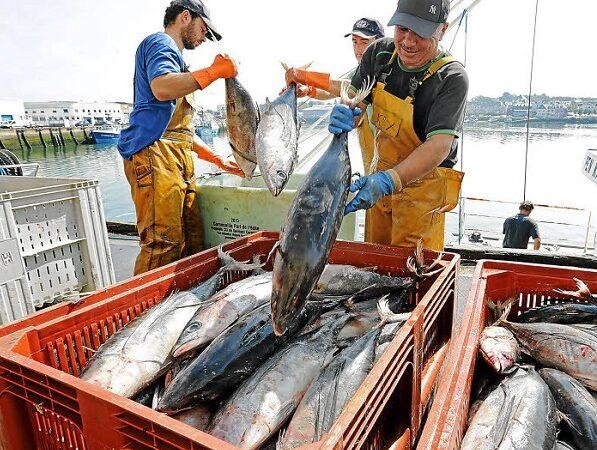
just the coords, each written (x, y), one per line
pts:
(526, 154)
(461, 205)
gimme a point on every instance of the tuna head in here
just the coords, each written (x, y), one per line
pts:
(284, 297)
(499, 348)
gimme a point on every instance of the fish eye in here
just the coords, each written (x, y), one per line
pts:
(194, 326)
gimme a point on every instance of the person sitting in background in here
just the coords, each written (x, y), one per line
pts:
(519, 228)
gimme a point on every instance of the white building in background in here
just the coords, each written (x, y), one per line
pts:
(67, 114)
(12, 113)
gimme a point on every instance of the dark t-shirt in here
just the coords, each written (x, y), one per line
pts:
(439, 102)
(518, 229)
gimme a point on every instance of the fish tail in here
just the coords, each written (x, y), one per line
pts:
(387, 315)
(229, 263)
(500, 310)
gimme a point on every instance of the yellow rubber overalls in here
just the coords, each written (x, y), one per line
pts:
(416, 212)
(162, 180)
(366, 132)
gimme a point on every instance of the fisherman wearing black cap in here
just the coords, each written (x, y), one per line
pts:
(418, 103)
(519, 228)
(157, 145)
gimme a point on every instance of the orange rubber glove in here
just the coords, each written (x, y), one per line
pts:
(303, 91)
(222, 67)
(206, 154)
(315, 79)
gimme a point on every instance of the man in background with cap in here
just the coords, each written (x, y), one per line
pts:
(519, 228)
(418, 104)
(157, 145)
(320, 86)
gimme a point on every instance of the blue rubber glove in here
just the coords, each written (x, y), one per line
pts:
(342, 118)
(370, 189)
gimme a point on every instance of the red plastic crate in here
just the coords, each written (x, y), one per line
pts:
(532, 285)
(43, 404)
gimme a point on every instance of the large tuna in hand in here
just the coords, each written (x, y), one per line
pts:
(242, 117)
(311, 227)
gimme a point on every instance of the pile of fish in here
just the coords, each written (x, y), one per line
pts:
(542, 394)
(210, 356)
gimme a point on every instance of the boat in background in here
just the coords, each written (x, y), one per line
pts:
(106, 134)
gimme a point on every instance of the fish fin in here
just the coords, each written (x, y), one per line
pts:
(280, 439)
(157, 394)
(273, 251)
(387, 315)
(258, 113)
(258, 270)
(360, 95)
(501, 311)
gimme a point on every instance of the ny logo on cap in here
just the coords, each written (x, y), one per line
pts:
(433, 9)
(362, 23)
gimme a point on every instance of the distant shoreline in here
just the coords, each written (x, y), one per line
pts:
(470, 120)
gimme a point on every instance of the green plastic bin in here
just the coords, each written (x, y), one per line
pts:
(232, 207)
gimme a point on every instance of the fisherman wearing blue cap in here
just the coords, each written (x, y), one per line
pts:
(157, 145)
(418, 103)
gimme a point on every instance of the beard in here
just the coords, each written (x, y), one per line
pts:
(190, 39)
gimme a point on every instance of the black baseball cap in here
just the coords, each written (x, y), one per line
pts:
(527, 206)
(367, 28)
(198, 7)
(421, 16)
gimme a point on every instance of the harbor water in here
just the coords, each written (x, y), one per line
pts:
(493, 158)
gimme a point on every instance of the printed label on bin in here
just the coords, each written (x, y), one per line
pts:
(11, 264)
(233, 229)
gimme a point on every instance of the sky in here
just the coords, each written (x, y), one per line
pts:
(84, 50)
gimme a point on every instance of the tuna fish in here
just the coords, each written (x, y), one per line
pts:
(499, 348)
(570, 349)
(140, 352)
(242, 118)
(519, 414)
(244, 296)
(328, 394)
(311, 228)
(564, 313)
(264, 402)
(576, 404)
(231, 358)
(340, 279)
(276, 140)
(227, 306)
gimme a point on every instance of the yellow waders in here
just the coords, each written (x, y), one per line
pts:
(162, 180)
(417, 212)
(365, 132)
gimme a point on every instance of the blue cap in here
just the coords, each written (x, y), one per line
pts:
(367, 28)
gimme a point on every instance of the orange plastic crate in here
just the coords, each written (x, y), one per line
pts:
(43, 404)
(532, 285)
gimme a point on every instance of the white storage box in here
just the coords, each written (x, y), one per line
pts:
(53, 242)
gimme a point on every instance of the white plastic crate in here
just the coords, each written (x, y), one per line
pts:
(53, 242)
